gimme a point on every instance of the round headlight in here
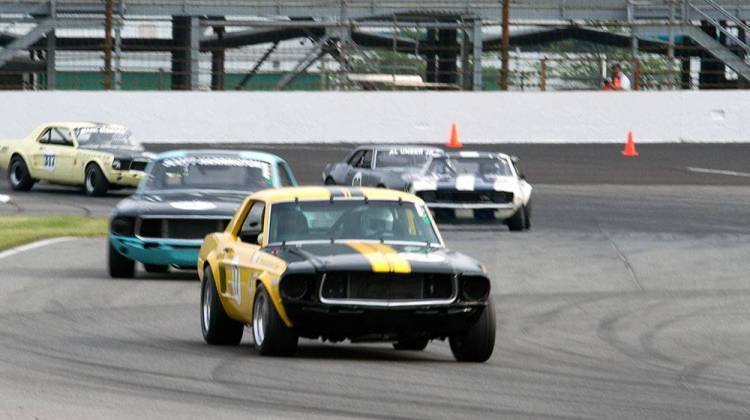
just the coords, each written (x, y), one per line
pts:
(294, 287)
(123, 226)
(116, 164)
(475, 288)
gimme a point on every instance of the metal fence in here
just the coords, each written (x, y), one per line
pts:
(358, 45)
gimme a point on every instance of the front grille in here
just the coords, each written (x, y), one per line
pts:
(453, 196)
(180, 228)
(138, 165)
(387, 286)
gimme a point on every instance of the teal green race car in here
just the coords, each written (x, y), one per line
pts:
(183, 196)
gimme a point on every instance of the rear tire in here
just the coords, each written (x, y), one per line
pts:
(517, 222)
(477, 343)
(94, 182)
(414, 344)
(217, 327)
(272, 337)
(120, 266)
(18, 175)
(156, 268)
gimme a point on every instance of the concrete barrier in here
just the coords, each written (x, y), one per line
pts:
(360, 117)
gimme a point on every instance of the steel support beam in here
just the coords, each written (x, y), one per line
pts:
(313, 55)
(478, 51)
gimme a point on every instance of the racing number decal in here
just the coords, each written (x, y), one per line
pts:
(357, 179)
(236, 292)
(49, 161)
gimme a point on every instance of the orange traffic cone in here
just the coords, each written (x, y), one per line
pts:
(629, 150)
(454, 142)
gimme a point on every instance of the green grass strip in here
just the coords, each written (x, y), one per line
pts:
(19, 230)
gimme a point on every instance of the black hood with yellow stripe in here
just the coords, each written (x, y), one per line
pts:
(374, 257)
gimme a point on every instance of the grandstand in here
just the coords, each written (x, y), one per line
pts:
(299, 44)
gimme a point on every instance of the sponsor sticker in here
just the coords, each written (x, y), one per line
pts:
(406, 151)
(192, 205)
(265, 167)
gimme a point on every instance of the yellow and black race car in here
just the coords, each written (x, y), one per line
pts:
(93, 155)
(363, 264)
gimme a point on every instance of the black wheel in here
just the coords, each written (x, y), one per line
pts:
(156, 268)
(217, 327)
(381, 186)
(272, 337)
(95, 183)
(120, 266)
(527, 208)
(330, 181)
(517, 222)
(416, 344)
(18, 175)
(476, 343)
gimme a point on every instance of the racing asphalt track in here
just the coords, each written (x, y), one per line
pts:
(626, 300)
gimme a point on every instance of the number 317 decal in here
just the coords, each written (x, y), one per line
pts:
(49, 162)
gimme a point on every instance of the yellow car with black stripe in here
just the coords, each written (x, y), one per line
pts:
(95, 156)
(332, 263)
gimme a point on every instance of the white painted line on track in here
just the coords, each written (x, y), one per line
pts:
(4, 198)
(717, 172)
(38, 244)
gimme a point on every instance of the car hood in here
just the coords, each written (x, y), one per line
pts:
(373, 257)
(119, 152)
(466, 182)
(200, 203)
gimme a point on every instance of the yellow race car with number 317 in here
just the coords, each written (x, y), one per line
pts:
(95, 156)
(333, 263)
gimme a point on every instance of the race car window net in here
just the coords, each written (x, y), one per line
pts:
(473, 166)
(385, 221)
(208, 173)
(402, 158)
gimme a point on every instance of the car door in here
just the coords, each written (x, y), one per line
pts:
(361, 172)
(54, 157)
(238, 267)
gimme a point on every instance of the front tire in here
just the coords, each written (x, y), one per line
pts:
(217, 327)
(517, 222)
(272, 337)
(94, 182)
(120, 266)
(156, 268)
(18, 175)
(477, 343)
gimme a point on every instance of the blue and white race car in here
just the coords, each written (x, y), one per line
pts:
(479, 185)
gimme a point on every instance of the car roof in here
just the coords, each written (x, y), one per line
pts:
(397, 146)
(247, 154)
(75, 124)
(475, 154)
(326, 193)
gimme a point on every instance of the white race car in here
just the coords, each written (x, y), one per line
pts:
(478, 185)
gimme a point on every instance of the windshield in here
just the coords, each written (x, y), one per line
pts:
(475, 166)
(386, 221)
(403, 157)
(212, 172)
(102, 136)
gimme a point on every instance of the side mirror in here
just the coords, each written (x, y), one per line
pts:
(259, 239)
(514, 159)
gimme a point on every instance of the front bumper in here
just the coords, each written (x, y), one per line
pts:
(183, 253)
(339, 322)
(471, 206)
(125, 178)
